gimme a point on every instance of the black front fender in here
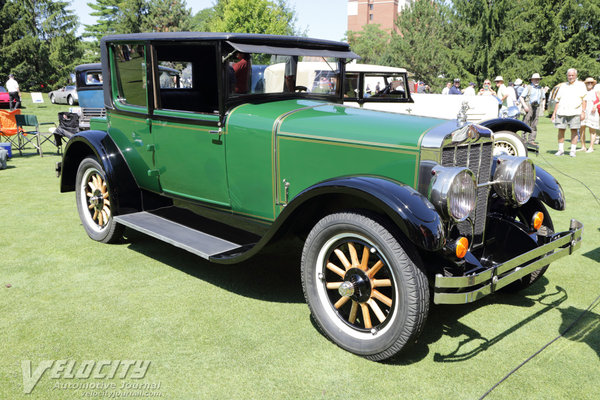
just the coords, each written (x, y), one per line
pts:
(505, 124)
(548, 190)
(98, 144)
(414, 215)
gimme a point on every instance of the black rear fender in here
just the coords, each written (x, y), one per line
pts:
(98, 144)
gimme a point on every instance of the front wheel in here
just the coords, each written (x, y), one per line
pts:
(507, 142)
(95, 203)
(363, 290)
(70, 100)
(52, 100)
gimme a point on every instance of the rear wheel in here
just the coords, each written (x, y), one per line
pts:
(363, 290)
(52, 100)
(95, 203)
(70, 100)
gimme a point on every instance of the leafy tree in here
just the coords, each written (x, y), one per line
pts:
(429, 44)
(40, 47)
(167, 16)
(372, 44)
(252, 16)
(201, 21)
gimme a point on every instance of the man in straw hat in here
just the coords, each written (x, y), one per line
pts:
(531, 100)
(569, 110)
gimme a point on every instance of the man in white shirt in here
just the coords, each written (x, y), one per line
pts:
(13, 91)
(569, 110)
(470, 90)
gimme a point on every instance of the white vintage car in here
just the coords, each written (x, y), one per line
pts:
(378, 87)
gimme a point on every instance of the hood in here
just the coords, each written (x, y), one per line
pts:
(342, 123)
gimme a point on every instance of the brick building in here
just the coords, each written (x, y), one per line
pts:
(382, 12)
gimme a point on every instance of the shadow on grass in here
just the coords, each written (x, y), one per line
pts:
(444, 320)
(593, 254)
(272, 275)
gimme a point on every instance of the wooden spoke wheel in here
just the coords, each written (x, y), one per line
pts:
(359, 284)
(94, 202)
(363, 290)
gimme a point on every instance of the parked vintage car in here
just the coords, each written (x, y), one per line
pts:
(88, 78)
(389, 206)
(4, 97)
(360, 91)
(64, 95)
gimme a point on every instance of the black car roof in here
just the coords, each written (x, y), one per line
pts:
(249, 38)
(88, 67)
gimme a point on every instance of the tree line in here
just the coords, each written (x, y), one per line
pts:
(439, 40)
(41, 46)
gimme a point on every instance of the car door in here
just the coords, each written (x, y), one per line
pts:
(190, 150)
(129, 122)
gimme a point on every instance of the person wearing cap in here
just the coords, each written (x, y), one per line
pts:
(455, 89)
(502, 92)
(13, 92)
(470, 90)
(519, 87)
(531, 101)
(569, 110)
(591, 120)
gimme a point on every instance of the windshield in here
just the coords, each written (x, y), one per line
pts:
(262, 73)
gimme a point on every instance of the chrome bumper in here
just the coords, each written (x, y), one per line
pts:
(497, 277)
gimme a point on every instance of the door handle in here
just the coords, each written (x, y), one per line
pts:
(217, 132)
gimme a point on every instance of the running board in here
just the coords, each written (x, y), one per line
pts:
(192, 240)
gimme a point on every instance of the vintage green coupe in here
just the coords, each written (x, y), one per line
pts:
(251, 144)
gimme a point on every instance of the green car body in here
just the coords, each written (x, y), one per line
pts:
(231, 156)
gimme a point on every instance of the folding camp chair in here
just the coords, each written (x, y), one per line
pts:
(8, 128)
(68, 125)
(33, 134)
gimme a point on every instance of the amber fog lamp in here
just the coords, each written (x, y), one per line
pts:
(461, 246)
(514, 179)
(453, 192)
(537, 220)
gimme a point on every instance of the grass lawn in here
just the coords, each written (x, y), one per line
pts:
(244, 331)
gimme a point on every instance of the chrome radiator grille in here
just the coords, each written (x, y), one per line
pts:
(89, 113)
(478, 158)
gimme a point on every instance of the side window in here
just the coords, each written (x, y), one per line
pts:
(187, 78)
(351, 85)
(93, 78)
(130, 68)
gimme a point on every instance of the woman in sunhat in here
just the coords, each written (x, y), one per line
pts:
(591, 120)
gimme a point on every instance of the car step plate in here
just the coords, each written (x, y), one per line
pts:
(189, 239)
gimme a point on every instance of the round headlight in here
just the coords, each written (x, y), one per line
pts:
(453, 192)
(514, 179)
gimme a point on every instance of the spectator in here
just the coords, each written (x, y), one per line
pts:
(569, 110)
(519, 87)
(427, 89)
(14, 92)
(470, 90)
(455, 89)
(591, 120)
(241, 70)
(486, 90)
(446, 90)
(531, 100)
(502, 91)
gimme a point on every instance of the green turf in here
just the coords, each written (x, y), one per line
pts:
(244, 332)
